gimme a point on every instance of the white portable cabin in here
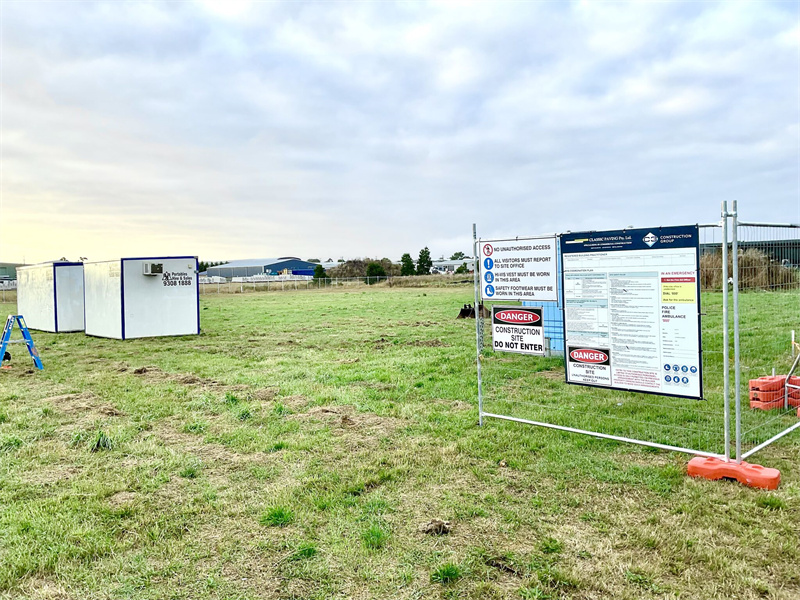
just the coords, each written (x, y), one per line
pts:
(50, 296)
(142, 297)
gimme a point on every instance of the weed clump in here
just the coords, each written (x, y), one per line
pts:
(277, 516)
(447, 573)
(375, 537)
(770, 502)
(551, 546)
(195, 427)
(304, 551)
(100, 441)
(281, 409)
(191, 469)
(10, 443)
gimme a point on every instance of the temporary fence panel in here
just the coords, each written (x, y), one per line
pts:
(749, 278)
(50, 296)
(143, 297)
(768, 312)
(534, 391)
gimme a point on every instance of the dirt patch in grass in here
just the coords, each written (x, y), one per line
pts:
(155, 374)
(192, 444)
(122, 499)
(84, 403)
(345, 420)
(265, 394)
(554, 375)
(294, 403)
(418, 324)
(374, 385)
(50, 475)
(38, 588)
(428, 344)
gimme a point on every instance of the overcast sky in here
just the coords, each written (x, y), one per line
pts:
(239, 129)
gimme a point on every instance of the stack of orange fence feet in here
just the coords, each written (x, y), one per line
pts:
(769, 392)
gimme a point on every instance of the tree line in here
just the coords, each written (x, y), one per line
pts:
(374, 267)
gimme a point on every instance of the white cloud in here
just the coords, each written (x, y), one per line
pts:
(244, 129)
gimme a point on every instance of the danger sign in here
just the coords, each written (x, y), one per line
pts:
(517, 329)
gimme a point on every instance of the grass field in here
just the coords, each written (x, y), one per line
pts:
(296, 448)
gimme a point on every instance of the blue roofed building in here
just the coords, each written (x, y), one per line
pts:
(262, 266)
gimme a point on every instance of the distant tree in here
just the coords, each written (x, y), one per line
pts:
(329, 260)
(424, 262)
(319, 272)
(406, 265)
(314, 260)
(340, 260)
(458, 256)
(204, 266)
(462, 269)
(375, 270)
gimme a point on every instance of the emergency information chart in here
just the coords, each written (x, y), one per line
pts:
(519, 269)
(517, 329)
(632, 310)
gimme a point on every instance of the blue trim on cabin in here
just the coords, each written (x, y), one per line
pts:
(83, 275)
(55, 299)
(122, 294)
(197, 289)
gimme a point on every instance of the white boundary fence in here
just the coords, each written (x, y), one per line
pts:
(750, 307)
(333, 282)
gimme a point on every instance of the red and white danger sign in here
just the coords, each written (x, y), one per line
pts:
(518, 329)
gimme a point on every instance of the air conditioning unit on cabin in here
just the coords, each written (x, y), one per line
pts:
(153, 268)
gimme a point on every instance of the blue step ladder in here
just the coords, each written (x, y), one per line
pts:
(26, 339)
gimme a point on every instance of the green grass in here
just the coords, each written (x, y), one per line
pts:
(277, 516)
(296, 448)
(447, 573)
(375, 537)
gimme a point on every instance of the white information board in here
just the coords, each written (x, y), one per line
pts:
(632, 310)
(519, 269)
(518, 329)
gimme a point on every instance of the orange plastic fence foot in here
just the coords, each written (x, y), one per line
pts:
(745, 473)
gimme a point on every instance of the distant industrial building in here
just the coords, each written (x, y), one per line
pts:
(263, 266)
(450, 266)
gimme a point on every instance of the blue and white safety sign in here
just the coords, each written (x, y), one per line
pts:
(519, 269)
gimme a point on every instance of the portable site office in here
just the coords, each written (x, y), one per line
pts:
(142, 297)
(50, 296)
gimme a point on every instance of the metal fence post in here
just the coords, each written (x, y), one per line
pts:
(726, 352)
(736, 357)
(476, 286)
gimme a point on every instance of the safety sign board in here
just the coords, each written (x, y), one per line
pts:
(521, 269)
(517, 329)
(632, 310)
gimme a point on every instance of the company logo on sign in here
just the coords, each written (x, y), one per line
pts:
(650, 239)
(585, 355)
(171, 279)
(517, 317)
